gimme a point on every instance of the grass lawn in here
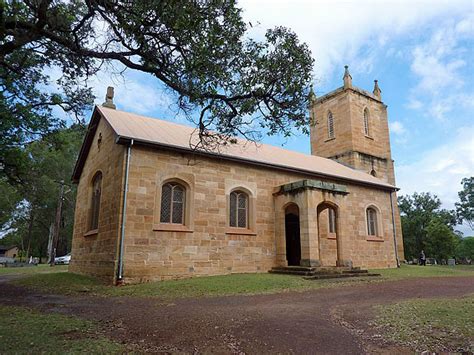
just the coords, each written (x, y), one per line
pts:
(42, 268)
(25, 331)
(409, 271)
(236, 284)
(444, 325)
(68, 283)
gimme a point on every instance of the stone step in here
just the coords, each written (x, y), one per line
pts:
(321, 272)
(339, 276)
(291, 272)
(294, 268)
(358, 271)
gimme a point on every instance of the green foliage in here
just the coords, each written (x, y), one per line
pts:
(8, 202)
(50, 160)
(465, 248)
(23, 331)
(465, 206)
(200, 50)
(417, 212)
(444, 325)
(440, 241)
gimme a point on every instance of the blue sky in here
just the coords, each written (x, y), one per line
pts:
(422, 53)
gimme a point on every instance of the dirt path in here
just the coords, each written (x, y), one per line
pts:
(319, 321)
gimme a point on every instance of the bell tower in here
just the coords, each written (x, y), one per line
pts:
(350, 125)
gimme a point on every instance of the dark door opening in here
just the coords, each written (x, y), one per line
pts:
(293, 243)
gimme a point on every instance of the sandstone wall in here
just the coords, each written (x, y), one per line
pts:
(207, 246)
(95, 252)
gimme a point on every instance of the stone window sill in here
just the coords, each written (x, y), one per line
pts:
(369, 137)
(91, 232)
(371, 238)
(240, 231)
(164, 227)
(332, 236)
(330, 139)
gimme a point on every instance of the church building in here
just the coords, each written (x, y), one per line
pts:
(150, 207)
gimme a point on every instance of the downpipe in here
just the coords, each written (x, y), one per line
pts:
(124, 217)
(394, 230)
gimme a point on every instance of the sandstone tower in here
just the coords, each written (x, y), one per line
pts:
(350, 126)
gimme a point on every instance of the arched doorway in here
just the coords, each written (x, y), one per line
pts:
(292, 235)
(328, 237)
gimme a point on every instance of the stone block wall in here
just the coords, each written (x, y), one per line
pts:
(95, 252)
(205, 245)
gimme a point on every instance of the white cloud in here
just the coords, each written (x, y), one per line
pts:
(397, 128)
(349, 32)
(441, 169)
(438, 65)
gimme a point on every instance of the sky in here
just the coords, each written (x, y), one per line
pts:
(422, 54)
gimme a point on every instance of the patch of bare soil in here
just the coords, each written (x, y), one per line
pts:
(324, 321)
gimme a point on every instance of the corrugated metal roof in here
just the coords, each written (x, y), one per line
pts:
(156, 131)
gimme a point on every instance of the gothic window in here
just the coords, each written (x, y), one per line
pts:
(95, 203)
(332, 220)
(366, 122)
(172, 203)
(239, 206)
(330, 125)
(372, 221)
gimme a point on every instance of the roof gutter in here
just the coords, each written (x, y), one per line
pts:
(126, 140)
(124, 216)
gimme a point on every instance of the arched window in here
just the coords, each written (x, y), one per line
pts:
(172, 203)
(332, 220)
(372, 221)
(239, 207)
(330, 125)
(366, 122)
(95, 203)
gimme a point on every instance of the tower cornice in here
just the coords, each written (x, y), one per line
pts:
(342, 90)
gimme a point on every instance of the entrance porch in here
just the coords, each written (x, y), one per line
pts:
(309, 228)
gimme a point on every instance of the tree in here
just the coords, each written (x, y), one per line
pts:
(50, 161)
(465, 206)
(200, 50)
(441, 241)
(417, 211)
(8, 202)
(465, 248)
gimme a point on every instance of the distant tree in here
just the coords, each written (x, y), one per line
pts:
(50, 161)
(417, 211)
(200, 51)
(10, 239)
(440, 240)
(465, 206)
(465, 248)
(8, 202)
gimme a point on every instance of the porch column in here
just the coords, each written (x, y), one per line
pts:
(280, 237)
(309, 235)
